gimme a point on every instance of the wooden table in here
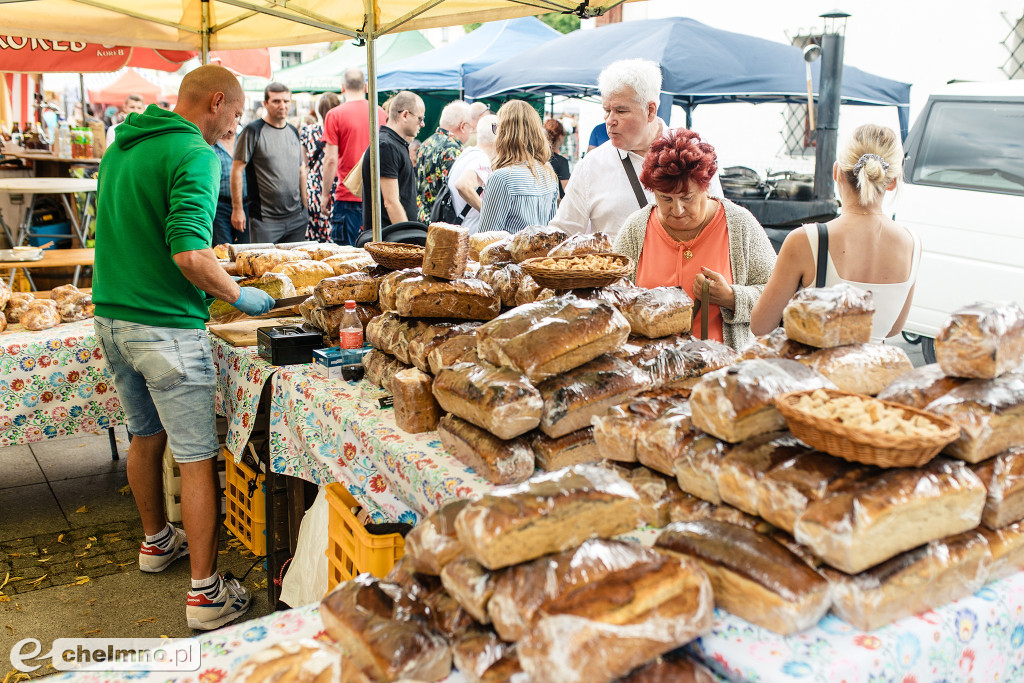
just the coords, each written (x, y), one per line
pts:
(47, 164)
(65, 188)
(55, 258)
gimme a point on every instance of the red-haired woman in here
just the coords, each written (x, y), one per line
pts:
(687, 237)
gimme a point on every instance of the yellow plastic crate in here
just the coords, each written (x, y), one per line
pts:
(351, 549)
(245, 514)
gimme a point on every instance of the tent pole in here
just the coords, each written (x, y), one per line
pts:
(204, 54)
(371, 82)
(85, 99)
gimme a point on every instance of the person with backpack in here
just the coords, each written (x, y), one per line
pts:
(459, 202)
(313, 143)
(268, 154)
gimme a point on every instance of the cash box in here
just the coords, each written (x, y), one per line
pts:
(288, 344)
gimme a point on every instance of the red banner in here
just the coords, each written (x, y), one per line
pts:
(38, 55)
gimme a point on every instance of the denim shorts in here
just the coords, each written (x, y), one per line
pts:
(165, 380)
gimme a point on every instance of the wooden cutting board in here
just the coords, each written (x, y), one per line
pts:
(243, 332)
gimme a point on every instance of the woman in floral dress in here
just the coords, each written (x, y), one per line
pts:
(311, 137)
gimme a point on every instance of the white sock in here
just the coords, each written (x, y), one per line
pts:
(205, 585)
(162, 538)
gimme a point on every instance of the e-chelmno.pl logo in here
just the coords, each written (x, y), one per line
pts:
(108, 654)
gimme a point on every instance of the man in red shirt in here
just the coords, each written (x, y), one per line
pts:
(346, 138)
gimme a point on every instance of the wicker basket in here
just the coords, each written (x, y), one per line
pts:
(395, 255)
(857, 445)
(554, 278)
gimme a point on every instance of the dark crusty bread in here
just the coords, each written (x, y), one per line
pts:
(335, 291)
(463, 299)
(497, 461)
(573, 398)
(499, 400)
(575, 448)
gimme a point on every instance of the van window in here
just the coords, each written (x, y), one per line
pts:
(974, 146)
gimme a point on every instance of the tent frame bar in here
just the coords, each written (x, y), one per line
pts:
(293, 15)
(408, 16)
(136, 15)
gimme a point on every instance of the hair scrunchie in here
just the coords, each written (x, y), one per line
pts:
(864, 159)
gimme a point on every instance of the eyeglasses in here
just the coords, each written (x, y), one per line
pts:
(494, 128)
(418, 118)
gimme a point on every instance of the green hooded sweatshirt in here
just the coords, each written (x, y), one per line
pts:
(157, 196)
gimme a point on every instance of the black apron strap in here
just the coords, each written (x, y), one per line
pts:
(822, 268)
(638, 189)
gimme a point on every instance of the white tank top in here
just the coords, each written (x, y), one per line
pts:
(889, 298)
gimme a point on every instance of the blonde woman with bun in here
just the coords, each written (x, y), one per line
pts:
(866, 248)
(523, 188)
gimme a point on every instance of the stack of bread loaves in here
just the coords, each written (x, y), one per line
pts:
(65, 303)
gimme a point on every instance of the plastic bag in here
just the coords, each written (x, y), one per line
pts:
(305, 581)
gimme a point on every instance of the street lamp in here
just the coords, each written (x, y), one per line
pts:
(811, 53)
(830, 91)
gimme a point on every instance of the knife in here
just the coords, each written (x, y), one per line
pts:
(289, 302)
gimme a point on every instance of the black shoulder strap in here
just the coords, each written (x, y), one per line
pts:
(638, 189)
(822, 267)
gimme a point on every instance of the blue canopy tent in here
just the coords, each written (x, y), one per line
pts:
(446, 67)
(699, 64)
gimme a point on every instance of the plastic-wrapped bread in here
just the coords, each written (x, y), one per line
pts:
(653, 313)
(1003, 477)
(535, 241)
(235, 250)
(505, 282)
(446, 251)
(305, 273)
(498, 461)
(433, 543)
(380, 328)
(583, 243)
(656, 491)
(398, 340)
(335, 291)
(890, 513)
(662, 442)
(77, 306)
(292, 246)
(499, 400)
(575, 448)
(480, 240)
(696, 466)
(1007, 548)
(643, 605)
(321, 250)
(461, 349)
(989, 412)
(3, 322)
(920, 386)
(547, 514)
(5, 294)
(674, 667)
(17, 305)
(550, 337)
(306, 310)
(829, 316)
(434, 335)
(328, 320)
(776, 344)
(465, 299)
(742, 470)
(344, 264)
(41, 314)
(677, 361)
(277, 285)
(617, 432)
(934, 574)
(573, 398)
(471, 585)
(496, 252)
(63, 293)
(529, 292)
(266, 262)
(422, 598)
(244, 260)
(982, 341)
(786, 491)
(413, 330)
(737, 402)
(482, 657)
(380, 368)
(416, 410)
(687, 508)
(361, 616)
(302, 660)
(860, 368)
(753, 577)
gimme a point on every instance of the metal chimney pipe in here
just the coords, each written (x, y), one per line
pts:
(830, 86)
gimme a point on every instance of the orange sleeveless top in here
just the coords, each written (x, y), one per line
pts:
(663, 262)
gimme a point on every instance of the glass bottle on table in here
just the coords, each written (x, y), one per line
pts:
(350, 336)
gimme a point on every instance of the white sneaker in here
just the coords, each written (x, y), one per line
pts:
(204, 613)
(152, 559)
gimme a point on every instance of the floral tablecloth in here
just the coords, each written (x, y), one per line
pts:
(54, 383)
(326, 430)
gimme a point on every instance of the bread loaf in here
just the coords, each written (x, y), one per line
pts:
(481, 657)
(328, 320)
(496, 252)
(292, 246)
(3, 322)
(919, 387)
(535, 241)
(454, 350)
(386, 290)
(737, 402)
(505, 282)
(575, 448)
(990, 413)
(305, 273)
(267, 261)
(235, 250)
(77, 306)
(1003, 477)
(547, 514)
(380, 368)
(583, 243)
(436, 334)
(62, 293)
(362, 616)
(497, 461)
(676, 362)
(1007, 548)
(982, 341)
(776, 344)
(618, 606)
(753, 577)
(743, 468)
(657, 312)
(934, 574)
(335, 291)
(17, 305)
(547, 338)
(277, 285)
(41, 314)
(465, 299)
(322, 250)
(617, 432)
(664, 441)
(674, 667)
(656, 491)
(890, 513)
(305, 660)
(829, 316)
(496, 399)
(471, 585)
(446, 251)
(433, 542)
(379, 328)
(480, 240)
(416, 410)
(573, 398)
(529, 292)
(344, 264)
(860, 368)
(245, 259)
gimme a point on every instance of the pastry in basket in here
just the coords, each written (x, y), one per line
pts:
(534, 241)
(776, 344)
(865, 414)
(737, 402)
(742, 470)
(1007, 548)
(989, 412)
(982, 341)
(499, 462)
(753, 576)
(934, 574)
(1003, 477)
(891, 512)
(920, 386)
(860, 368)
(829, 316)
(547, 514)
(583, 243)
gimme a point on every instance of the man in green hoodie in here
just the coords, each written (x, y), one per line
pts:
(153, 272)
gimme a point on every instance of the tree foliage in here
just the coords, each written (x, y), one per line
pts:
(563, 23)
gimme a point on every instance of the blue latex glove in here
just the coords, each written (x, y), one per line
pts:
(254, 301)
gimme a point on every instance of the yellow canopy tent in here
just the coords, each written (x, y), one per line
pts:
(206, 25)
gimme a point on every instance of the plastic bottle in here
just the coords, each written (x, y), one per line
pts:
(64, 139)
(350, 333)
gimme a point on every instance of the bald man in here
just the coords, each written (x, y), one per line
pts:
(154, 272)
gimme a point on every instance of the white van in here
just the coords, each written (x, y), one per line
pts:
(964, 195)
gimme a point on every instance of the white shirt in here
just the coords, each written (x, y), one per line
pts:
(599, 196)
(471, 159)
(110, 134)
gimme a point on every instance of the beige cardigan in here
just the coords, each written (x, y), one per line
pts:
(750, 255)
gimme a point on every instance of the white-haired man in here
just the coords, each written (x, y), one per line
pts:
(438, 153)
(605, 187)
(469, 173)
